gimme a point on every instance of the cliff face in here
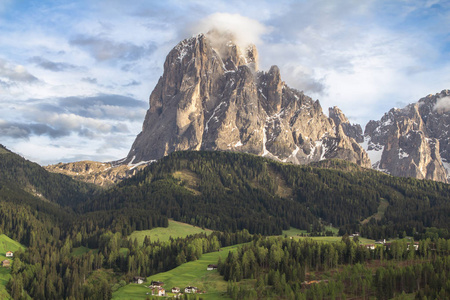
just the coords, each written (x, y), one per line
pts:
(352, 130)
(413, 141)
(212, 97)
(102, 174)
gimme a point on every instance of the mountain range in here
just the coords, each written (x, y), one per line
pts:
(213, 97)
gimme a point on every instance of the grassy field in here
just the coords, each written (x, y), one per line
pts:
(79, 251)
(190, 180)
(293, 232)
(175, 230)
(192, 273)
(296, 234)
(380, 213)
(6, 244)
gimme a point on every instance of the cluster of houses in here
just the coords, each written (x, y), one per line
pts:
(157, 289)
(387, 246)
(7, 263)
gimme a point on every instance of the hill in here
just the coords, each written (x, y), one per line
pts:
(163, 234)
(230, 191)
(19, 173)
(6, 244)
(59, 219)
(189, 274)
(101, 174)
(33, 200)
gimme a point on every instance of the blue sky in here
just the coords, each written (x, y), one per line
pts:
(75, 76)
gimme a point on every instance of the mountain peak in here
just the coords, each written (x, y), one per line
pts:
(211, 96)
(413, 141)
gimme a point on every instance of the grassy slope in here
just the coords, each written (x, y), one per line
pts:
(192, 273)
(175, 230)
(379, 214)
(6, 244)
(295, 233)
(79, 251)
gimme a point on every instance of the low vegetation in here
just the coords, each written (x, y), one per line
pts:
(163, 234)
(7, 244)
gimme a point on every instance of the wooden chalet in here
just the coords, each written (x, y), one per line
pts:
(211, 267)
(9, 254)
(158, 291)
(6, 263)
(138, 280)
(175, 290)
(370, 246)
(190, 289)
(155, 283)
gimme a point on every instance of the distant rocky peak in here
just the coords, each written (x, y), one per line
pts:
(412, 141)
(441, 103)
(340, 120)
(337, 115)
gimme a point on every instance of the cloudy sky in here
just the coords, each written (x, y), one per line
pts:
(75, 76)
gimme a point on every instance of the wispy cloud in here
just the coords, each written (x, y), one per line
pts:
(11, 73)
(103, 49)
(51, 65)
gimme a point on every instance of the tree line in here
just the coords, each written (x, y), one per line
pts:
(281, 268)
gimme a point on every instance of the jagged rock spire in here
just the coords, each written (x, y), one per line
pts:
(212, 97)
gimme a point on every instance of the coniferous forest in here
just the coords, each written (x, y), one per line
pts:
(244, 198)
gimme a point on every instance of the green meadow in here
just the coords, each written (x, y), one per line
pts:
(296, 234)
(175, 230)
(6, 244)
(193, 273)
(79, 251)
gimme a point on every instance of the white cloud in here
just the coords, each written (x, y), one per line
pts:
(442, 104)
(15, 73)
(244, 30)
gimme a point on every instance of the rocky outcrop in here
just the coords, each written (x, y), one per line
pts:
(102, 174)
(413, 141)
(352, 130)
(212, 97)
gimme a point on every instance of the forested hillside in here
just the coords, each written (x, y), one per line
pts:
(55, 216)
(21, 174)
(231, 191)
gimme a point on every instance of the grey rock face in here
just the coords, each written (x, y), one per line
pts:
(352, 130)
(212, 97)
(413, 141)
(101, 174)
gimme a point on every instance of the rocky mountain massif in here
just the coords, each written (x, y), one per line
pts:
(413, 141)
(212, 97)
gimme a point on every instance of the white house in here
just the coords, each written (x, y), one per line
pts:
(9, 254)
(190, 289)
(158, 291)
(138, 280)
